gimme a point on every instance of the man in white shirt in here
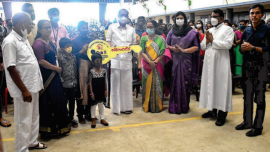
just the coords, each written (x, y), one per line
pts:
(216, 85)
(24, 81)
(121, 34)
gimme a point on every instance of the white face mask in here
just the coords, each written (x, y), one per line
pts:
(180, 22)
(214, 21)
(199, 25)
(123, 20)
(24, 32)
(193, 27)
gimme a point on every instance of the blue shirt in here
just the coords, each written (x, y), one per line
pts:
(139, 32)
(255, 63)
(258, 38)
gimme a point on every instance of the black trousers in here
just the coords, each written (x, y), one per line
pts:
(70, 95)
(254, 90)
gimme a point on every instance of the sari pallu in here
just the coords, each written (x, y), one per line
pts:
(185, 71)
(152, 79)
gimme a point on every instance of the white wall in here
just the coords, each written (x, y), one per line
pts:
(173, 6)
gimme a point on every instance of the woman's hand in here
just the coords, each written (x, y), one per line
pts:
(173, 49)
(93, 96)
(152, 64)
(106, 94)
(179, 49)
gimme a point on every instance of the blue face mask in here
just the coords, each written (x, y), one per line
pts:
(150, 31)
(242, 27)
(55, 19)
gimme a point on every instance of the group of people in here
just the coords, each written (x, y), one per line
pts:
(45, 71)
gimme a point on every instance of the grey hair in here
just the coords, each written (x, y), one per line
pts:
(19, 17)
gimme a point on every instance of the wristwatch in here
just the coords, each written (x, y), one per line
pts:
(253, 50)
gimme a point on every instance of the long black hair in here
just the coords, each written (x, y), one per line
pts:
(201, 24)
(40, 25)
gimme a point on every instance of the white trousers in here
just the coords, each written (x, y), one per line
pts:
(121, 90)
(100, 108)
(26, 118)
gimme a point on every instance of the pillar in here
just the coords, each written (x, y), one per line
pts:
(229, 15)
(102, 12)
(167, 19)
(7, 9)
(192, 17)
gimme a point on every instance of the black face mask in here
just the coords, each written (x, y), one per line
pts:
(84, 33)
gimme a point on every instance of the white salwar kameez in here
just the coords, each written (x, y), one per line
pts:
(121, 68)
(18, 52)
(216, 83)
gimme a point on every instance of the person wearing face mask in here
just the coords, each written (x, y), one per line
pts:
(153, 48)
(53, 103)
(79, 49)
(184, 44)
(121, 34)
(216, 82)
(238, 55)
(24, 81)
(28, 8)
(67, 62)
(58, 31)
(208, 26)
(98, 89)
(140, 28)
(191, 24)
(199, 28)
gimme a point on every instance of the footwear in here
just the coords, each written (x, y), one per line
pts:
(103, 122)
(254, 132)
(38, 146)
(209, 114)
(82, 120)
(242, 126)
(93, 125)
(221, 118)
(116, 114)
(74, 123)
(4, 123)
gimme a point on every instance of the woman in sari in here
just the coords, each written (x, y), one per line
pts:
(237, 54)
(52, 104)
(184, 44)
(153, 47)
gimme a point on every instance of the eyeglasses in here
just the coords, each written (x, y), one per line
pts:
(257, 13)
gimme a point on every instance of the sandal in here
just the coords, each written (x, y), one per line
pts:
(74, 123)
(38, 146)
(4, 123)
